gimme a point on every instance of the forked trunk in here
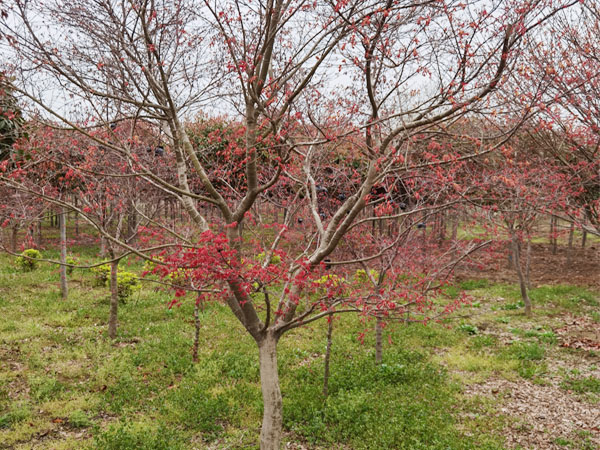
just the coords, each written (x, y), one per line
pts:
(522, 284)
(270, 433)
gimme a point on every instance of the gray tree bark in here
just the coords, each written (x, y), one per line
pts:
(62, 222)
(378, 341)
(114, 299)
(270, 433)
(522, 284)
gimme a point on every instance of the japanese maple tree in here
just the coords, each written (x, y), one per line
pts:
(367, 80)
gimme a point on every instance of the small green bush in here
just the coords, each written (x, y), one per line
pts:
(72, 261)
(176, 278)
(127, 284)
(275, 259)
(101, 274)
(360, 276)
(27, 261)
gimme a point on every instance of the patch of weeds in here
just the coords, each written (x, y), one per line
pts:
(529, 370)
(563, 442)
(547, 337)
(479, 342)
(194, 406)
(470, 285)
(239, 366)
(504, 320)
(582, 385)
(527, 351)
(504, 291)
(45, 388)
(468, 328)
(79, 419)
(126, 436)
(567, 296)
(452, 292)
(595, 316)
(512, 306)
(529, 355)
(16, 415)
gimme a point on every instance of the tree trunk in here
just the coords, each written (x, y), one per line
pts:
(196, 331)
(553, 231)
(570, 248)
(62, 219)
(114, 300)
(327, 356)
(528, 263)
(102, 247)
(39, 232)
(511, 259)
(442, 229)
(583, 238)
(270, 433)
(522, 285)
(378, 341)
(15, 238)
(455, 220)
(76, 218)
(131, 223)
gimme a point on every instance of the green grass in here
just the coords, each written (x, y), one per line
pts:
(63, 384)
(582, 385)
(144, 392)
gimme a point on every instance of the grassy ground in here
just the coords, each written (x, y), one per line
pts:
(64, 385)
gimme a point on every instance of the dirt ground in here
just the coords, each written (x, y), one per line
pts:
(543, 415)
(581, 268)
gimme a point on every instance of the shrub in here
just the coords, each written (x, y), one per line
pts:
(101, 274)
(27, 261)
(127, 284)
(275, 258)
(150, 266)
(72, 261)
(360, 276)
(177, 278)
